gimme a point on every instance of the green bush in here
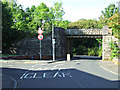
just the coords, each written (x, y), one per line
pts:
(114, 50)
(100, 52)
(93, 51)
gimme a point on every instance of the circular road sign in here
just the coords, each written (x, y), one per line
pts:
(40, 31)
(40, 37)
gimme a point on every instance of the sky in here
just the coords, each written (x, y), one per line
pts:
(75, 9)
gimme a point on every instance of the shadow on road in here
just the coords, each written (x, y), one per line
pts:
(64, 78)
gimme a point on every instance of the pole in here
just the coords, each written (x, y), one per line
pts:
(53, 44)
(40, 49)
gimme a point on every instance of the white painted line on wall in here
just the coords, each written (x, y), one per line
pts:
(109, 70)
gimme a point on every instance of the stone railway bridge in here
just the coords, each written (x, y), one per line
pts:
(104, 34)
(63, 46)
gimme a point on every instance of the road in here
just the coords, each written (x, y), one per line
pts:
(77, 73)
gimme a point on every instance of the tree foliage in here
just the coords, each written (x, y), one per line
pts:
(19, 23)
(6, 24)
(85, 24)
(110, 17)
(107, 13)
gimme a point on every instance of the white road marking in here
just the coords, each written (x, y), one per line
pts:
(44, 75)
(37, 65)
(26, 76)
(55, 66)
(23, 75)
(109, 70)
(34, 75)
(66, 74)
(63, 74)
(57, 73)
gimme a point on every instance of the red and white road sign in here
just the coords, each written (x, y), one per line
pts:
(40, 37)
(40, 31)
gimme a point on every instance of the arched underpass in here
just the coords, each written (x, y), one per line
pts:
(104, 34)
(86, 48)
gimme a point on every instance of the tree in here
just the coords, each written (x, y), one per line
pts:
(9, 34)
(19, 23)
(109, 12)
(85, 24)
(6, 24)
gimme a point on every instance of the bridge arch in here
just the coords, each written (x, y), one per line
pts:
(105, 34)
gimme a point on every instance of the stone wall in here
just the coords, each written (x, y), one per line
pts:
(31, 46)
(60, 46)
(106, 47)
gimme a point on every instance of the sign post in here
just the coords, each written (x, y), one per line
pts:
(40, 37)
(53, 41)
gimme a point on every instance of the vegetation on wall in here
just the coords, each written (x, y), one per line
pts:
(114, 49)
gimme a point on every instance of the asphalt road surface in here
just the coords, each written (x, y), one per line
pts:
(77, 73)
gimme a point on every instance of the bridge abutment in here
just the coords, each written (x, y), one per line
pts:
(107, 38)
(106, 52)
